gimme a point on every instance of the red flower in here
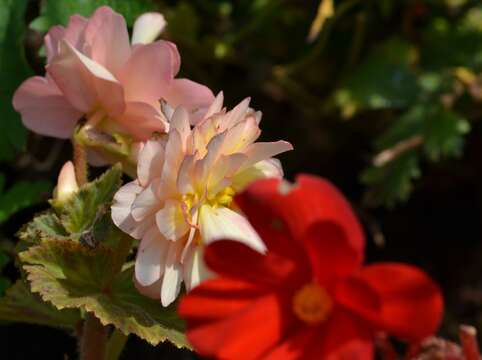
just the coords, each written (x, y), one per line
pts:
(309, 297)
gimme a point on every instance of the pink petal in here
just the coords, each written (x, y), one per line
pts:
(185, 177)
(170, 221)
(86, 83)
(216, 106)
(107, 35)
(265, 150)
(176, 58)
(74, 34)
(44, 109)
(141, 120)
(196, 98)
(150, 256)
(148, 73)
(148, 27)
(180, 122)
(150, 162)
(52, 40)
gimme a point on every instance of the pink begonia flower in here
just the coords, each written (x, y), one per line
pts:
(95, 73)
(182, 198)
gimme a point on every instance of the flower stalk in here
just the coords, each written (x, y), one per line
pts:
(93, 340)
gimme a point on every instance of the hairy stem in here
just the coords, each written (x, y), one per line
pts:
(115, 345)
(93, 340)
(80, 162)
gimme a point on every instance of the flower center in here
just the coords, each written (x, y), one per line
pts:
(312, 304)
(222, 198)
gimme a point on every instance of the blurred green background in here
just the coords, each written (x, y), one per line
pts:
(383, 97)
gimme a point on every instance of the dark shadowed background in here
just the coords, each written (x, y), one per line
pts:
(384, 100)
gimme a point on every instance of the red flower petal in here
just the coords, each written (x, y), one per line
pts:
(234, 259)
(342, 337)
(294, 346)
(246, 335)
(256, 203)
(331, 255)
(357, 296)
(216, 299)
(411, 303)
(310, 200)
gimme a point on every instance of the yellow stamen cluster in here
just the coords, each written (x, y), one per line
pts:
(222, 198)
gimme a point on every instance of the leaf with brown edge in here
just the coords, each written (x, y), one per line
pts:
(70, 275)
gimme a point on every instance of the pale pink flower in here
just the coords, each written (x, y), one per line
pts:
(95, 73)
(182, 198)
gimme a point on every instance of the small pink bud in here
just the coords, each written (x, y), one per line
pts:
(66, 182)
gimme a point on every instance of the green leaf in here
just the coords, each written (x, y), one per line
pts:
(56, 12)
(20, 305)
(43, 226)
(20, 196)
(384, 80)
(70, 275)
(90, 204)
(391, 183)
(13, 70)
(444, 133)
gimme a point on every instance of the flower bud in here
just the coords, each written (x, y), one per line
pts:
(66, 183)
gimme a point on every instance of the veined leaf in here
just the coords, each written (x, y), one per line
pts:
(20, 305)
(70, 275)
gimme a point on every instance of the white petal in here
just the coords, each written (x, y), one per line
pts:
(236, 114)
(150, 257)
(148, 27)
(195, 270)
(223, 223)
(171, 282)
(170, 220)
(146, 202)
(122, 206)
(150, 162)
(270, 168)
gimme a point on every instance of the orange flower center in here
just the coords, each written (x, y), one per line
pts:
(312, 304)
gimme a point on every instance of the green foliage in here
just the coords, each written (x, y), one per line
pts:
(74, 258)
(20, 196)
(383, 80)
(81, 211)
(13, 70)
(392, 182)
(70, 275)
(20, 305)
(54, 12)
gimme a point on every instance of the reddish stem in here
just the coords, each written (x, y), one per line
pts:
(468, 340)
